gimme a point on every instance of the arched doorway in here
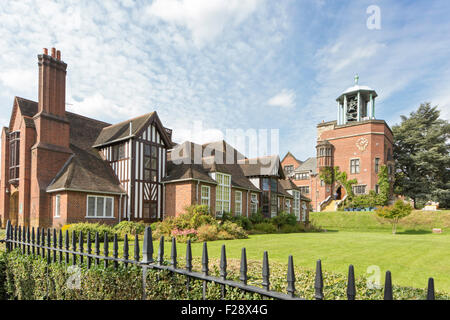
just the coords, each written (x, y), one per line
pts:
(340, 192)
(14, 208)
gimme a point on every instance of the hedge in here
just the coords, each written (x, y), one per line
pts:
(26, 277)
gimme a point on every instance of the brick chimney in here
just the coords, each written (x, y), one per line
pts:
(52, 83)
(52, 147)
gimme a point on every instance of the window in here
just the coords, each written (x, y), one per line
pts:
(205, 195)
(100, 207)
(289, 169)
(254, 203)
(304, 211)
(238, 202)
(269, 196)
(118, 152)
(223, 190)
(354, 166)
(302, 176)
(150, 209)
(57, 206)
(359, 189)
(288, 205)
(377, 189)
(377, 165)
(150, 163)
(14, 155)
(304, 189)
(296, 207)
(390, 169)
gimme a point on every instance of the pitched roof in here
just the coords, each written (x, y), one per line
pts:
(121, 130)
(290, 154)
(288, 184)
(262, 166)
(310, 164)
(28, 108)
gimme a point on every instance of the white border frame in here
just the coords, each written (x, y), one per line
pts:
(95, 209)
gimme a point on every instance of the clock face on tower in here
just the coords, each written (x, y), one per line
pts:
(352, 109)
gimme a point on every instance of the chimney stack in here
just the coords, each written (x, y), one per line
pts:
(52, 84)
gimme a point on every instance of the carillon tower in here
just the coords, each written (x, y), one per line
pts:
(356, 104)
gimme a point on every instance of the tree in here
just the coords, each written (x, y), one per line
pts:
(421, 152)
(342, 178)
(394, 213)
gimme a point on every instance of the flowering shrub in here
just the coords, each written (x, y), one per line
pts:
(184, 235)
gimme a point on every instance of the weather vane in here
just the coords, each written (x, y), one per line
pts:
(356, 79)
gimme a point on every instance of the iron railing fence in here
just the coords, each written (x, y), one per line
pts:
(38, 242)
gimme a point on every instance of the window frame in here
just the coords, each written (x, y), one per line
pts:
(377, 165)
(296, 205)
(359, 186)
(57, 209)
(203, 187)
(236, 211)
(301, 188)
(356, 165)
(221, 188)
(254, 204)
(95, 207)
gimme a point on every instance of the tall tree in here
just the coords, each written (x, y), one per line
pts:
(421, 152)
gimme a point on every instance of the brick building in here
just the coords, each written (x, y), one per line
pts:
(356, 142)
(59, 167)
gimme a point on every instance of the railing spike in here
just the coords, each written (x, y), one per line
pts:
(318, 282)
(55, 245)
(19, 237)
(188, 256)
(74, 247)
(67, 245)
(147, 248)
(243, 268)
(430, 289)
(161, 251)
(49, 251)
(97, 248)
(351, 288)
(205, 262)
(136, 247)
(125, 249)
(28, 240)
(89, 249)
(223, 263)
(173, 253)
(8, 235)
(115, 251)
(105, 249)
(388, 287)
(43, 242)
(33, 241)
(266, 271)
(80, 245)
(60, 245)
(291, 277)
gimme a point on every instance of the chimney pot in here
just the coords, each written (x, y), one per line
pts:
(45, 51)
(53, 53)
(58, 55)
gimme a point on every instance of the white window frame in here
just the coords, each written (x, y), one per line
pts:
(202, 198)
(253, 203)
(57, 211)
(236, 202)
(296, 205)
(221, 207)
(355, 166)
(95, 207)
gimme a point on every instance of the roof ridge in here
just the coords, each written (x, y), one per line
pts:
(17, 97)
(131, 119)
(84, 117)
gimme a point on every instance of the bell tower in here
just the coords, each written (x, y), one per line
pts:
(356, 104)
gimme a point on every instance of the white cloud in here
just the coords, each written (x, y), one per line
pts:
(204, 19)
(284, 99)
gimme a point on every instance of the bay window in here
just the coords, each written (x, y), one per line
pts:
(100, 207)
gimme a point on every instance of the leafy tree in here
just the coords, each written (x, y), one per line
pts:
(421, 151)
(394, 213)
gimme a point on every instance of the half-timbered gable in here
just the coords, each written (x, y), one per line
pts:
(136, 150)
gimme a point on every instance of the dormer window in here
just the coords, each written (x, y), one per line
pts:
(14, 156)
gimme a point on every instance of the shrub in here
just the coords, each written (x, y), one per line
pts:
(257, 217)
(86, 227)
(284, 218)
(287, 228)
(207, 232)
(129, 227)
(264, 227)
(243, 222)
(236, 231)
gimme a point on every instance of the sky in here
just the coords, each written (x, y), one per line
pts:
(211, 67)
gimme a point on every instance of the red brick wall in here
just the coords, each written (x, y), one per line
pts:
(179, 195)
(289, 160)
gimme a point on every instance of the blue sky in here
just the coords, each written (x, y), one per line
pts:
(229, 64)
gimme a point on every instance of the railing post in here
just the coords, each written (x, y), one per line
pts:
(43, 242)
(291, 277)
(97, 249)
(147, 248)
(205, 268)
(223, 269)
(15, 237)
(351, 289)
(8, 236)
(173, 253)
(80, 245)
(33, 241)
(115, 252)
(60, 246)
(125, 250)
(388, 287)
(136, 247)
(38, 242)
(19, 238)
(430, 289)
(161, 251)
(67, 242)
(243, 268)
(265, 271)
(49, 244)
(318, 282)
(28, 240)
(89, 249)
(74, 248)
(55, 245)
(188, 264)
(105, 249)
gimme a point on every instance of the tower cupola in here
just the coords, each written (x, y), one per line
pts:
(356, 104)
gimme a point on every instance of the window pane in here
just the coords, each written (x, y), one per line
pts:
(154, 164)
(146, 150)
(146, 174)
(154, 152)
(108, 207)
(91, 206)
(100, 202)
(146, 210)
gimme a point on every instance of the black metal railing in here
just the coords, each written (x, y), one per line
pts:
(50, 245)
